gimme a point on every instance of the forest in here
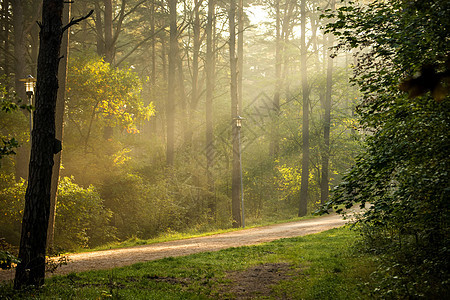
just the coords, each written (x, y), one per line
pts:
(193, 116)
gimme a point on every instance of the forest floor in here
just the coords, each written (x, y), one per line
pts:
(108, 259)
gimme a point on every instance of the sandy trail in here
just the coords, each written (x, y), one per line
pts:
(108, 259)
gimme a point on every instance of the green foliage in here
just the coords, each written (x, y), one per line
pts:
(10, 120)
(8, 147)
(102, 96)
(12, 201)
(81, 218)
(148, 203)
(404, 171)
(7, 258)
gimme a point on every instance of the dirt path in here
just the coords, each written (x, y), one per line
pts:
(108, 259)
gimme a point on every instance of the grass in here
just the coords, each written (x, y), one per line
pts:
(318, 266)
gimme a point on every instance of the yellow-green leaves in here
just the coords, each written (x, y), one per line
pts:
(111, 96)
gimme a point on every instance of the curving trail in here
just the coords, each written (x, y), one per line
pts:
(108, 259)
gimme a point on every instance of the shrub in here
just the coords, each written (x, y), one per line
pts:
(81, 218)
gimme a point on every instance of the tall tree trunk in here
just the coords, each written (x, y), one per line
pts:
(99, 30)
(181, 95)
(209, 66)
(240, 54)
(195, 72)
(31, 269)
(153, 45)
(324, 189)
(34, 45)
(170, 104)
(5, 15)
(164, 57)
(305, 128)
(235, 177)
(286, 30)
(23, 152)
(274, 143)
(59, 121)
(109, 43)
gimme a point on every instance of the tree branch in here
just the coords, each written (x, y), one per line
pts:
(76, 21)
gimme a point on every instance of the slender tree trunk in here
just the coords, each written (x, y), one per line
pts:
(305, 129)
(195, 72)
(240, 54)
(59, 121)
(274, 143)
(170, 105)
(23, 152)
(235, 177)
(109, 43)
(181, 96)
(240, 73)
(5, 41)
(34, 45)
(99, 30)
(153, 45)
(31, 269)
(324, 189)
(164, 57)
(210, 151)
(286, 30)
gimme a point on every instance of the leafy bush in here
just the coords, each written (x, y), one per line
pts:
(12, 201)
(81, 218)
(8, 255)
(145, 210)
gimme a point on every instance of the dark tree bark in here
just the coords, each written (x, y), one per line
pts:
(305, 128)
(324, 189)
(31, 269)
(209, 66)
(170, 104)
(235, 177)
(59, 121)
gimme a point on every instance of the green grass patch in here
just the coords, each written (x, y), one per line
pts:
(318, 266)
